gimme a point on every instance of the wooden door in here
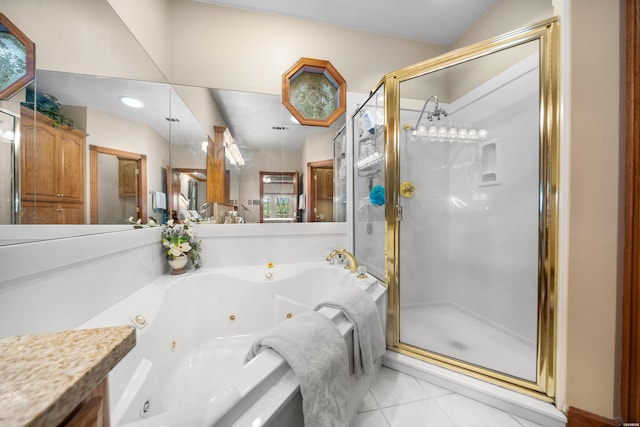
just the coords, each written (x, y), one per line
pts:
(127, 178)
(630, 393)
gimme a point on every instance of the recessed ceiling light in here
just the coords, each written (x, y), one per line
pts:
(131, 102)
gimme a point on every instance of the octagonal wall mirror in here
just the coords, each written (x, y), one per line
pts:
(314, 92)
(17, 59)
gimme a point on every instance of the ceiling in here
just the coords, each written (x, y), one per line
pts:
(103, 94)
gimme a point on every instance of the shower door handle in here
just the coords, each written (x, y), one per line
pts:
(399, 213)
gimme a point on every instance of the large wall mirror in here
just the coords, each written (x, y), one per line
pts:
(142, 160)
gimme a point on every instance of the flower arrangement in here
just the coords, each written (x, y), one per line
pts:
(180, 239)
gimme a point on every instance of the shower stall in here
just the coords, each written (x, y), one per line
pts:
(455, 182)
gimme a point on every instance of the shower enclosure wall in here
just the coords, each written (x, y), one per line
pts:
(455, 184)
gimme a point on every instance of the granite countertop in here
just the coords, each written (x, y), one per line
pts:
(43, 377)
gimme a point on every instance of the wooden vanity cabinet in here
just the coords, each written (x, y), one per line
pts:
(93, 411)
(52, 171)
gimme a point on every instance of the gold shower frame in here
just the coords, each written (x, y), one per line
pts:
(546, 32)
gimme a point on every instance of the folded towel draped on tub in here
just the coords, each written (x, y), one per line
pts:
(317, 354)
(368, 336)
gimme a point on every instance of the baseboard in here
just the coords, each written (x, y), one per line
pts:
(580, 418)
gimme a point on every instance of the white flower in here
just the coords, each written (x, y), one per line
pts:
(184, 247)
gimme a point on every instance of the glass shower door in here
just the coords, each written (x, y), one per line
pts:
(368, 183)
(469, 191)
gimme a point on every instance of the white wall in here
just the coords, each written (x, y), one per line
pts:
(54, 285)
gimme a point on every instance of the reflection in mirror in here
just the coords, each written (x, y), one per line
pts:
(270, 139)
(122, 137)
(279, 197)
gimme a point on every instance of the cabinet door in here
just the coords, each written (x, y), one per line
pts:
(71, 171)
(38, 212)
(70, 213)
(38, 160)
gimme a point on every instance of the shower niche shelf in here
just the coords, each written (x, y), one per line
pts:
(489, 163)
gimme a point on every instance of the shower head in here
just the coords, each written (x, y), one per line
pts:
(437, 111)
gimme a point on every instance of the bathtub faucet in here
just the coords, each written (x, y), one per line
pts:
(353, 264)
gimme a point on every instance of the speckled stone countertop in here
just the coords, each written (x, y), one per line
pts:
(43, 377)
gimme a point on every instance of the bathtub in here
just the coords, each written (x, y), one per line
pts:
(193, 332)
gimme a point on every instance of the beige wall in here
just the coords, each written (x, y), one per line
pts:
(596, 207)
(152, 32)
(202, 54)
(506, 16)
(79, 36)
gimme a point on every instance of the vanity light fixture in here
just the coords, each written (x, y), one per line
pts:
(131, 102)
(232, 151)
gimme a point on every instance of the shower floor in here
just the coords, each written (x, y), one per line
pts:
(451, 331)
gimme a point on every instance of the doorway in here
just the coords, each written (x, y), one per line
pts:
(320, 191)
(118, 185)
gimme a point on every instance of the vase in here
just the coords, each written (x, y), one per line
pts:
(178, 263)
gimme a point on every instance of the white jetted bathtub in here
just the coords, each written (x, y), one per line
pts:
(193, 332)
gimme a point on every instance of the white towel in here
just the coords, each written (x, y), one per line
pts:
(302, 202)
(317, 354)
(159, 200)
(368, 336)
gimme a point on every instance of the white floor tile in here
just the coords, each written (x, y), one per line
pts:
(432, 389)
(424, 413)
(370, 419)
(466, 412)
(368, 403)
(391, 387)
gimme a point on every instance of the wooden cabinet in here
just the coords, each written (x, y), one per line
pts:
(52, 171)
(94, 409)
(128, 178)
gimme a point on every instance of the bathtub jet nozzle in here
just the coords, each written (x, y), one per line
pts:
(353, 264)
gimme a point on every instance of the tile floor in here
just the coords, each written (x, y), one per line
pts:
(399, 400)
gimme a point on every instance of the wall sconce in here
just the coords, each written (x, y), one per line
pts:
(232, 152)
